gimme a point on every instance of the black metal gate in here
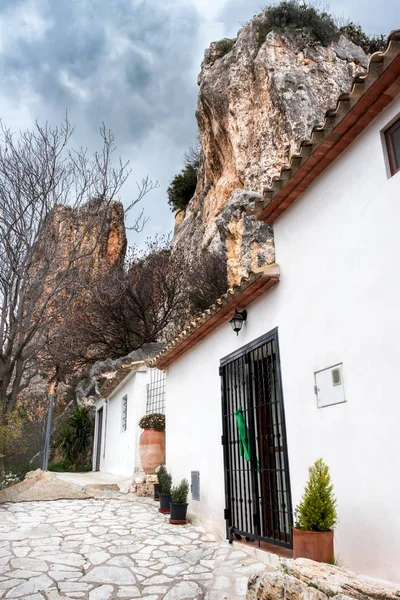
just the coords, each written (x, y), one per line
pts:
(257, 486)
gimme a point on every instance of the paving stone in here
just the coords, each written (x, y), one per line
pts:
(97, 549)
(108, 574)
(183, 590)
(31, 564)
(36, 584)
(155, 589)
(101, 593)
(97, 558)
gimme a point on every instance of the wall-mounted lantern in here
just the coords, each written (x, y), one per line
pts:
(237, 320)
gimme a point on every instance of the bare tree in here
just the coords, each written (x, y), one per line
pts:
(148, 300)
(54, 204)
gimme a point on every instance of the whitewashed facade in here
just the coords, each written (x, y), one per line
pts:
(116, 446)
(337, 303)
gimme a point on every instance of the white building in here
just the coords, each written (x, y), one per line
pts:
(315, 367)
(128, 394)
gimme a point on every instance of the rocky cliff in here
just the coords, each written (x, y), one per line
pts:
(259, 97)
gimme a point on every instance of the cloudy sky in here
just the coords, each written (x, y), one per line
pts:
(132, 64)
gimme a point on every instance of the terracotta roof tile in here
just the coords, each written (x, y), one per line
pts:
(238, 296)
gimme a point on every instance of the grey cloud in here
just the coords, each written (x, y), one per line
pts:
(123, 62)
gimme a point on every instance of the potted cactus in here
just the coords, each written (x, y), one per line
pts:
(165, 494)
(316, 517)
(152, 442)
(179, 503)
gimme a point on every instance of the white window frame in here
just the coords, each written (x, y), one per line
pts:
(124, 413)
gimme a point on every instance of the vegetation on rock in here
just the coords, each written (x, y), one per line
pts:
(183, 186)
(293, 14)
(317, 24)
(317, 509)
(179, 493)
(224, 46)
(370, 44)
(153, 421)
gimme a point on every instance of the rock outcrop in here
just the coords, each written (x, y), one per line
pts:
(304, 579)
(257, 101)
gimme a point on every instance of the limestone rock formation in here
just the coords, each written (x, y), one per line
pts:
(304, 579)
(256, 103)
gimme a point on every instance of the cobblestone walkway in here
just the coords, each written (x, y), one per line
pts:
(108, 549)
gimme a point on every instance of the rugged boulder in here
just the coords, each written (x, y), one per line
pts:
(304, 579)
(259, 97)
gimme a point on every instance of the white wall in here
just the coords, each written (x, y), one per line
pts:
(120, 449)
(338, 301)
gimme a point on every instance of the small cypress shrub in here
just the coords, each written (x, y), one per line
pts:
(180, 492)
(165, 480)
(161, 473)
(317, 509)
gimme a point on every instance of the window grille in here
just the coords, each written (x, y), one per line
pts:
(156, 392)
(124, 412)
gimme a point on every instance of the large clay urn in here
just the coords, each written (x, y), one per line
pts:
(152, 450)
(316, 545)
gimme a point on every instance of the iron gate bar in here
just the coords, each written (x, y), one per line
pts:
(257, 492)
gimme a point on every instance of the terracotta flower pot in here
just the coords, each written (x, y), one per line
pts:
(152, 450)
(316, 545)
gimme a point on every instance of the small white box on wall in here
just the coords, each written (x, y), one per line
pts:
(329, 387)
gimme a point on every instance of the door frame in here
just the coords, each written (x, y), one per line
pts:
(272, 335)
(99, 436)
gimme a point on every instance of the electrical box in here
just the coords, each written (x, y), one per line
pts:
(329, 387)
(195, 487)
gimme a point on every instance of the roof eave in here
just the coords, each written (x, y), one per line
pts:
(238, 297)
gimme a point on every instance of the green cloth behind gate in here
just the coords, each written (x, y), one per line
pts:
(244, 443)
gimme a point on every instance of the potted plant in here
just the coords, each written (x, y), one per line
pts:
(152, 442)
(316, 517)
(165, 494)
(157, 486)
(179, 504)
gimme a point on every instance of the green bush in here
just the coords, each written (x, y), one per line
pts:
(165, 480)
(182, 188)
(64, 466)
(179, 493)
(75, 435)
(354, 33)
(153, 421)
(292, 14)
(225, 45)
(317, 509)
(319, 24)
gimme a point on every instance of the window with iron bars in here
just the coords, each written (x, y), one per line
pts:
(156, 392)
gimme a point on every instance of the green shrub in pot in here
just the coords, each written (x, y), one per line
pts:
(179, 495)
(316, 517)
(165, 480)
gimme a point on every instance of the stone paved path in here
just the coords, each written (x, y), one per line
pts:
(114, 548)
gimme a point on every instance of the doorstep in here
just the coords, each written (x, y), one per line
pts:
(268, 554)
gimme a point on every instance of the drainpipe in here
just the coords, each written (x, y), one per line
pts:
(46, 452)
